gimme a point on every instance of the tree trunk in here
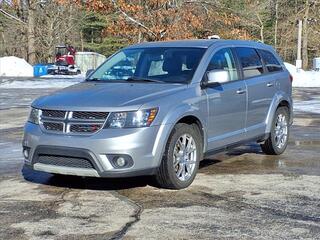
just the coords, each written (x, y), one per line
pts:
(276, 25)
(30, 34)
(82, 41)
(261, 27)
(305, 37)
(2, 44)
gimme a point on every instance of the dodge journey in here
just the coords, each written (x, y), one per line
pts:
(159, 108)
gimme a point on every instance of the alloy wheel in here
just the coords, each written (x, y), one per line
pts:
(184, 157)
(281, 131)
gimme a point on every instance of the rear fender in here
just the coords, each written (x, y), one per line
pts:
(277, 99)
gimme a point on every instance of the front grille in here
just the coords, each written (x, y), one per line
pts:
(85, 128)
(53, 113)
(68, 122)
(53, 126)
(65, 161)
(90, 115)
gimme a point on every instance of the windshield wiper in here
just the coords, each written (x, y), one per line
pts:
(138, 79)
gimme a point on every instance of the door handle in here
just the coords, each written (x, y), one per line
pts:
(241, 91)
(269, 84)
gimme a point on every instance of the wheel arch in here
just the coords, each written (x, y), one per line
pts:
(284, 103)
(279, 100)
(191, 119)
(188, 117)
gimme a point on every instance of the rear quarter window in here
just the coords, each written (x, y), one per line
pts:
(250, 62)
(270, 61)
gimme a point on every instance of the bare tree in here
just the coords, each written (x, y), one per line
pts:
(305, 36)
(32, 28)
(31, 8)
(276, 23)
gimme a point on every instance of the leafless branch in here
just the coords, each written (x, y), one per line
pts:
(133, 20)
(8, 15)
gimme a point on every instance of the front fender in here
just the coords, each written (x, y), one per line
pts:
(277, 99)
(168, 123)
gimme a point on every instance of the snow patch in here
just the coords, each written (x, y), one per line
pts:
(79, 76)
(311, 106)
(307, 79)
(303, 78)
(15, 67)
(40, 83)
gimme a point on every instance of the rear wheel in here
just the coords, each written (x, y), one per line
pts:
(180, 161)
(278, 139)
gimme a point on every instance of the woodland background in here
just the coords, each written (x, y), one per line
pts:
(32, 28)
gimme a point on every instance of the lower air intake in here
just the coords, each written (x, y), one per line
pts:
(65, 161)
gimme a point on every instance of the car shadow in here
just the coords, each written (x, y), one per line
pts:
(208, 162)
(92, 183)
(248, 148)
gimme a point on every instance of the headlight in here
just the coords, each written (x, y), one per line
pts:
(34, 116)
(141, 118)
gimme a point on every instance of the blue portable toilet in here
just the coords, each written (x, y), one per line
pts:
(40, 69)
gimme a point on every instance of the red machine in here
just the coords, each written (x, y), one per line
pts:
(64, 61)
(65, 54)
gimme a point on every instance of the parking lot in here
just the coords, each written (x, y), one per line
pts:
(240, 194)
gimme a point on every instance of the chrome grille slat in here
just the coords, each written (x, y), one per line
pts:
(80, 121)
(69, 122)
(50, 119)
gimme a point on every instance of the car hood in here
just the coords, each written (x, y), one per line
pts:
(94, 96)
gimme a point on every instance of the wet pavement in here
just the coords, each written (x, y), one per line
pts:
(240, 194)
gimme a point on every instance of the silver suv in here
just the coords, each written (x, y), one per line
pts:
(159, 108)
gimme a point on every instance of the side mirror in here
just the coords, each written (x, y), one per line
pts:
(215, 77)
(88, 73)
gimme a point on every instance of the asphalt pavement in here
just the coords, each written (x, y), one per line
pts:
(239, 194)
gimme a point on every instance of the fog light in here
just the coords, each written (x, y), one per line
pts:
(26, 153)
(121, 161)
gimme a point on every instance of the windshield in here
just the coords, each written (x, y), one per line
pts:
(170, 65)
(61, 51)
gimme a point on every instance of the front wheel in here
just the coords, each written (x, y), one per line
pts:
(181, 159)
(278, 138)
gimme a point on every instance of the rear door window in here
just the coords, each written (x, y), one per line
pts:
(272, 64)
(250, 62)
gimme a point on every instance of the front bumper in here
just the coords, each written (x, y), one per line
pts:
(144, 145)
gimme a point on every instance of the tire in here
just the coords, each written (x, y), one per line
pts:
(168, 175)
(272, 146)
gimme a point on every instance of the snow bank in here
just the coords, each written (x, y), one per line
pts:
(311, 106)
(78, 76)
(307, 79)
(15, 67)
(39, 83)
(303, 78)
